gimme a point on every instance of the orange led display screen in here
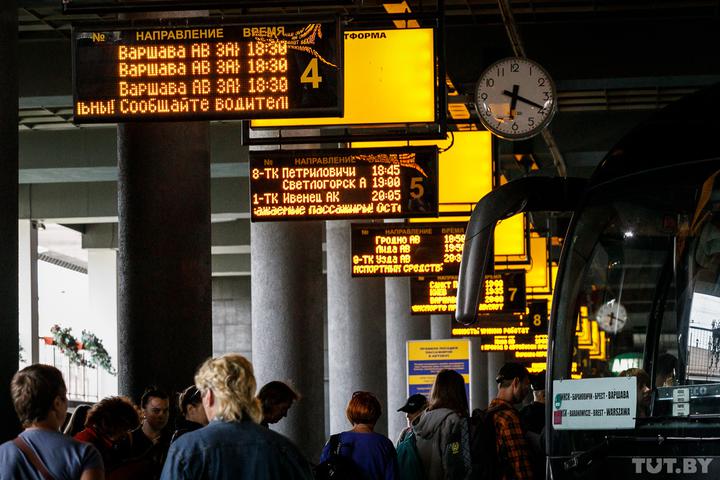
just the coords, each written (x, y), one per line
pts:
(220, 71)
(502, 293)
(391, 250)
(343, 183)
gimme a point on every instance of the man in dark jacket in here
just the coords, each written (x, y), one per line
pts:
(533, 415)
(533, 420)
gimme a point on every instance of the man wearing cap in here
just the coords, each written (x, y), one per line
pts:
(513, 452)
(533, 421)
(413, 408)
(533, 415)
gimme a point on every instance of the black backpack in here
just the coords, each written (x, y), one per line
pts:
(483, 449)
(338, 467)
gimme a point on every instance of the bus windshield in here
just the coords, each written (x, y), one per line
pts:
(639, 295)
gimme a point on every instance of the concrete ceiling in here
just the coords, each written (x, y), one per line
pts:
(615, 62)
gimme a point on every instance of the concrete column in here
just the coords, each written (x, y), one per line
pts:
(495, 360)
(164, 298)
(287, 322)
(102, 286)
(232, 317)
(9, 340)
(440, 327)
(356, 320)
(478, 373)
(28, 289)
(401, 326)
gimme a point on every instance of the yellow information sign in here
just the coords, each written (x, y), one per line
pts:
(389, 78)
(425, 358)
(465, 176)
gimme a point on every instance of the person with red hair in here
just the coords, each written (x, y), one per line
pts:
(372, 453)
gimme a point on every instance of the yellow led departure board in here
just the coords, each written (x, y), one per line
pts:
(501, 293)
(222, 71)
(343, 183)
(391, 250)
(523, 335)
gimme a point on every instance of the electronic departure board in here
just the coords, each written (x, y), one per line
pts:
(343, 183)
(391, 250)
(525, 336)
(502, 293)
(220, 71)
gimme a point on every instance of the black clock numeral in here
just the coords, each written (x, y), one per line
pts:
(515, 127)
(489, 82)
(501, 71)
(547, 95)
(541, 82)
(514, 67)
(531, 121)
(487, 111)
(484, 96)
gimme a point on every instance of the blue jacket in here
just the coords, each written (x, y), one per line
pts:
(235, 451)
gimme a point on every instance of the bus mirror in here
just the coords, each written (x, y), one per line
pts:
(529, 194)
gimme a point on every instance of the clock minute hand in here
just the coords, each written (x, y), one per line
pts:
(523, 99)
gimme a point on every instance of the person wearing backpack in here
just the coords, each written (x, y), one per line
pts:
(372, 455)
(413, 408)
(442, 433)
(513, 452)
(409, 463)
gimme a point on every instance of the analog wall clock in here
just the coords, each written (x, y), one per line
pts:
(611, 316)
(515, 98)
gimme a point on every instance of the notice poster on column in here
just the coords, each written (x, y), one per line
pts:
(425, 358)
(607, 403)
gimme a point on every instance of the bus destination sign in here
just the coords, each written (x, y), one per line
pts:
(502, 293)
(220, 71)
(343, 183)
(388, 250)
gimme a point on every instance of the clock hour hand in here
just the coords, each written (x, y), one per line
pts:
(513, 100)
(515, 96)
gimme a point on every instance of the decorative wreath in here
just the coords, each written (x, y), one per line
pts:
(71, 347)
(98, 355)
(68, 345)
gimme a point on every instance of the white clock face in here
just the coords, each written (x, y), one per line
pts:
(611, 317)
(515, 98)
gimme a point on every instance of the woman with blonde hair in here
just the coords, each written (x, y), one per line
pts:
(233, 445)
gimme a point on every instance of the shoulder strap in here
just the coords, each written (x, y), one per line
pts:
(335, 444)
(498, 407)
(33, 458)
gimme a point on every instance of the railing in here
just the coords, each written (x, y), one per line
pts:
(83, 382)
(703, 354)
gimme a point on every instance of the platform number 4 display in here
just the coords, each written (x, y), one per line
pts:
(312, 74)
(538, 316)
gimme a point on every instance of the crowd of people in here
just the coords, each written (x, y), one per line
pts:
(222, 431)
